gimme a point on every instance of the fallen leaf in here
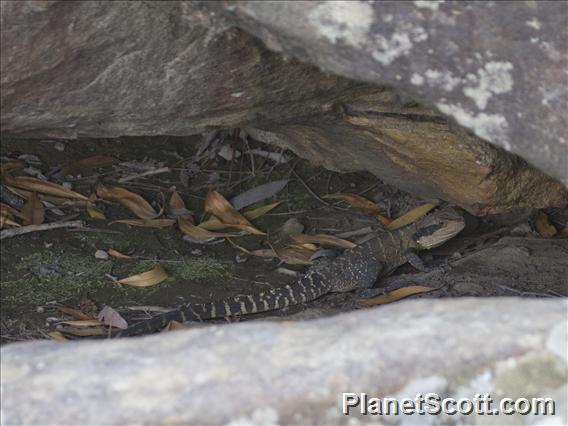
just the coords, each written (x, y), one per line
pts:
(306, 246)
(543, 226)
(146, 223)
(177, 208)
(260, 211)
(59, 201)
(84, 332)
(117, 254)
(356, 201)
(86, 164)
(37, 185)
(200, 234)
(82, 323)
(146, 279)
(112, 318)
(258, 193)
(74, 313)
(33, 212)
(92, 210)
(10, 166)
(56, 335)
(218, 206)
(133, 202)
(410, 217)
(324, 240)
(384, 220)
(398, 294)
(294, 256)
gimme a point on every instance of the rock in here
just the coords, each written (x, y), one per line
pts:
(194, 72)
(416, 149)
(296, 372)
(143, 69)
(508, 86)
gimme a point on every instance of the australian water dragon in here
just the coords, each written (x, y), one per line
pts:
(356, 269)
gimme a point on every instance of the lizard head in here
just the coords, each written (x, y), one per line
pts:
(438, 227)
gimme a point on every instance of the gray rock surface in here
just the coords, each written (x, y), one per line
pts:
(176, 69)
(497, 68)
(296, 372)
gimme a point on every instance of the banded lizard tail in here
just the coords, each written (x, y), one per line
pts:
(355, 269)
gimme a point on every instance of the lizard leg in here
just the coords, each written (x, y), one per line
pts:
(365, 289)
(415, 261)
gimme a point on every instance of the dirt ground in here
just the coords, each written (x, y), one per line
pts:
(69, 267)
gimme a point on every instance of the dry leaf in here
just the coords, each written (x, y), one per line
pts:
(10, 166)
(146, 223)
(117, 254)
(294, 256)
(218, 206)
(58, 201)
(112, 318)
(410, 217)
(260, 211)
(398, 294)
(33, 212)
(74, 313)
(543, 226)
(384, 220)
(146, 279)
(324, 240)
(82, 323)
(37, 185)
(92, 210)
(56, 335)
(7, 214)
(177, 208)
(133, 202)
(267, 253)
(200, 234)
(86, 164)
(356, 201)
(85, 331)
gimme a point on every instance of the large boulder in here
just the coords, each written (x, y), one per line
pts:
(105, 69)
(499, 69)
(297, 372)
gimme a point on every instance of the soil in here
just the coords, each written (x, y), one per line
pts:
(59, 266)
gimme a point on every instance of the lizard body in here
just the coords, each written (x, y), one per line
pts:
(356, 269)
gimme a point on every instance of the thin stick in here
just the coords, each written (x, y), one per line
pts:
(316, 196)
(7, 233)
(148, 173)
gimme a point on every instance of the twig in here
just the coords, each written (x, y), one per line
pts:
(147, 173)
(7, 233)
(316, 196)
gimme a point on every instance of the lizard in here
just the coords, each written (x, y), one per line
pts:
(356, 269)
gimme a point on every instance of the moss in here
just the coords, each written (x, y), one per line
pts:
(48, 275)
(199, 269)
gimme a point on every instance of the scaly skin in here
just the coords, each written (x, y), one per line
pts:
(356, 269)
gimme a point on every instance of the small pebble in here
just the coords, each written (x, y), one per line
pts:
(239, 258)
(40, 309)
(196, 252)
(67, 185)
(292, 226)
(59, 146)
(101, 254)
